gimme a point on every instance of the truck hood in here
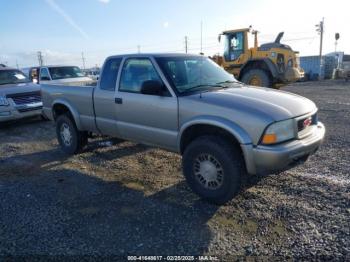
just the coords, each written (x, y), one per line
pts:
(269, 103)
(18, 88)
(76, 81)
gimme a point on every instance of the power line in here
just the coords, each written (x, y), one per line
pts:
(299, 39)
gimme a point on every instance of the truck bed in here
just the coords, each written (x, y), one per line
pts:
(79, 96)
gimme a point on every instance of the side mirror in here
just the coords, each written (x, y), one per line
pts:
(219, 38)
(152, 87)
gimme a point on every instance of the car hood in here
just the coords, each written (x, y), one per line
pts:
(269, 103)
(79, 81)
(18, 88)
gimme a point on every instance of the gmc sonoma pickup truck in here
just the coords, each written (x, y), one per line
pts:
(223, 129)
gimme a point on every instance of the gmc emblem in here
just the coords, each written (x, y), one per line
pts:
(307, 122)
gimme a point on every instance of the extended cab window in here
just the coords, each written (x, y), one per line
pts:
(110, 74)
(135, 71)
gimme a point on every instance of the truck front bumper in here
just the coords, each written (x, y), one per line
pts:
(9, 113)
(273, 159)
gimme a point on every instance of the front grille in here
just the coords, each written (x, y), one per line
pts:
(25, 98)
(301, 126)
(314, 119)
(22, 110)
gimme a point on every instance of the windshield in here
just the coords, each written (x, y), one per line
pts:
(12, 77)
(65, 72)
(194, 73)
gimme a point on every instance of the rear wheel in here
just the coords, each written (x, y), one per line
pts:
(257, 77)
(213, 168)
(69, 137)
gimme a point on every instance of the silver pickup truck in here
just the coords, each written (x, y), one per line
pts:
(19, 98)
(223, 129)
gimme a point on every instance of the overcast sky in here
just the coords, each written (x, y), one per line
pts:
(63, 29)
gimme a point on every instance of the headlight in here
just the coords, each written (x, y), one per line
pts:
(279, 132)
(3, 101)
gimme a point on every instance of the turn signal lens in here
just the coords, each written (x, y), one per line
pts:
(269, 139)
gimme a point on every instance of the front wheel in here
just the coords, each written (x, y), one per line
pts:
(213, 168)
(69, 137)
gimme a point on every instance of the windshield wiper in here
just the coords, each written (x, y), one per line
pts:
(204, 85)
(227, 82)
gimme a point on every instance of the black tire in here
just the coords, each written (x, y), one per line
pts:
(262, 75)
(230, 160)
(77, 139)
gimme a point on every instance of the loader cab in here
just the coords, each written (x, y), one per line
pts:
(235, 44)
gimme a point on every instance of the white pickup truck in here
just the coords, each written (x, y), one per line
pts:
(58, 75)
(188, 104)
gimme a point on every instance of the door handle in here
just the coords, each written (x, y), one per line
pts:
(118, 100)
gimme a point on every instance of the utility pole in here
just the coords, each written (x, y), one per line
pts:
(201, 37)
(17, 64)
(40, 58)
(320, 30)
(83, 58)
(186, 44)
(337, 36)
(138, 49)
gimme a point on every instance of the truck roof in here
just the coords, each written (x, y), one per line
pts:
(7, 68)
(49, 66)
(154, 55)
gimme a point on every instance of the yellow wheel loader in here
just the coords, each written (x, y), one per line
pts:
(269, 65)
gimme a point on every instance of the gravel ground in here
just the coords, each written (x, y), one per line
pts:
(119, 198)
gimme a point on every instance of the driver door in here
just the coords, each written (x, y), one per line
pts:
(150, 119)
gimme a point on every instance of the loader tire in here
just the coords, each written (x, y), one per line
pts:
(257, 77)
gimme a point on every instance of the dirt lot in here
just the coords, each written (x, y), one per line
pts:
(120, 198)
